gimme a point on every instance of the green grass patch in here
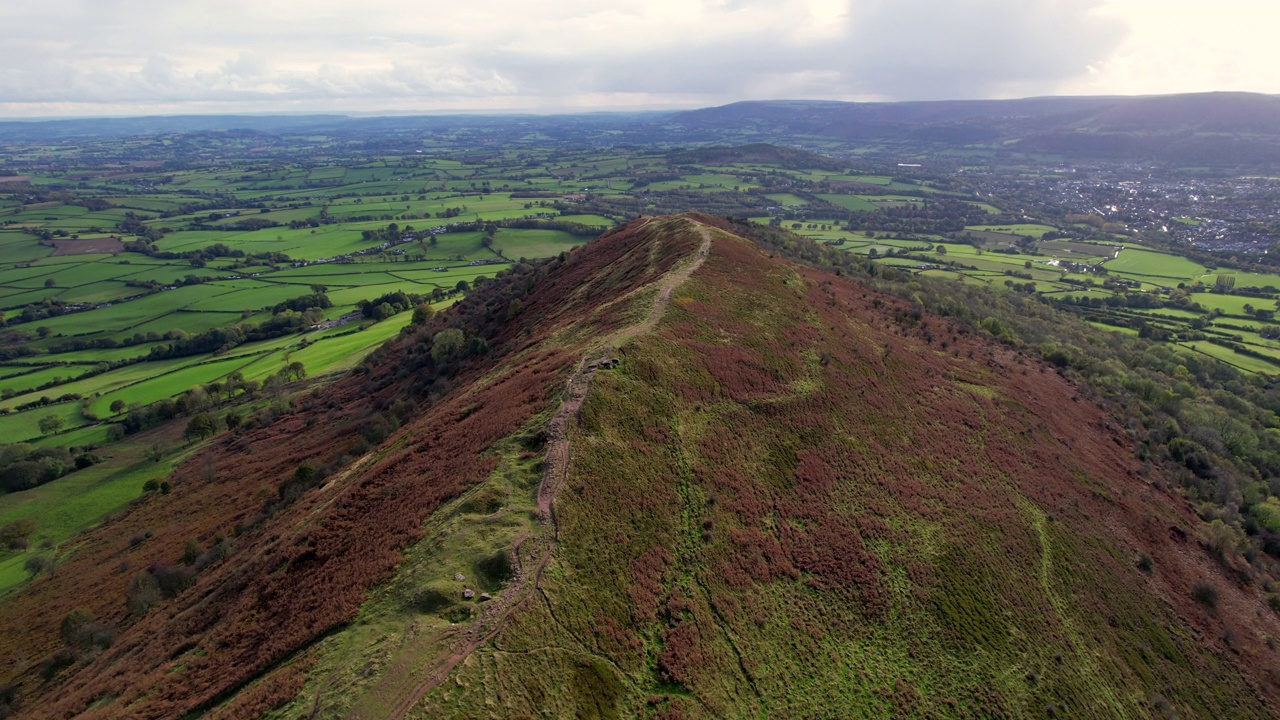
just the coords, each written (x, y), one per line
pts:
(849, 202)
(1148, 263)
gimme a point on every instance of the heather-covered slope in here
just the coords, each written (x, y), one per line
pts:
(798, 498)
(691, 485)
(292, 523)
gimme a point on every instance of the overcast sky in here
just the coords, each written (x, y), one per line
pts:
(134, 57)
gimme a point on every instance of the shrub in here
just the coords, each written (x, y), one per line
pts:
(485, 502)
(143, 593)
(429, 600)
(221, 546)
(192, 552)
(458, 613)
(9, 701)
(200, 427)
(173, 579)
(495, 569)
(1145, 564)
(156, 583)
(447, 344)
(14, 535)
(305, 477)
(37, 564)
(59, 661)
(1205, 594)
(82, 632)
(375, 431)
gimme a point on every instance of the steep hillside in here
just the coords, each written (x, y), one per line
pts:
(290, 524)
(797, 498)
(671, 475)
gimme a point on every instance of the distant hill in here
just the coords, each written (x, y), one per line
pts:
(1218, 112)
(672, 474)
(1206, 128)
(1213, 129)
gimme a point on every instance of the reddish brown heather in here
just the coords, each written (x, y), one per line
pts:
(304, 572)
(789, 499)
(793, 469)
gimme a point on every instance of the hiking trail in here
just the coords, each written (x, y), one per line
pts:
(531, 553)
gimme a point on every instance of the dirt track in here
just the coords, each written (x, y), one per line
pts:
(532, 553)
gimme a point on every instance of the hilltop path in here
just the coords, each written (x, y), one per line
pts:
(530, 562)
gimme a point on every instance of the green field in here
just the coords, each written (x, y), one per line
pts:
(850, 202)
(61, 509)
(142, 300)
(1032, 229)
(1146, 263)
(1041, 268)
(1245, 279)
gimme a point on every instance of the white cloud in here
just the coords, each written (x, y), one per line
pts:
(132, 56)
(1182, 46)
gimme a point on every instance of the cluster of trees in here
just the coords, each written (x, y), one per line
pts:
(206, 254)
(195, 400)
(24, 466)
(392, 303)
(391, 233)
(309, 222)
(286, 320)
(573, 228)
(302, 303)
(939, 216)
(45, 401)
(200, 402)
(16, 534)
(441, 344)
(45, 309)
(164, 580)
(134, 224)
(191, 208)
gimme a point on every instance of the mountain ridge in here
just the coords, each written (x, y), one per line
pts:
(793, 494)
(1215, 129)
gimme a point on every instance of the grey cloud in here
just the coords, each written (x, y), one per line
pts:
(382, 55)
(916, 49)
(906, 49)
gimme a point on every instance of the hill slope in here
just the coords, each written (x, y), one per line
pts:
(792, 500)
(694, 480)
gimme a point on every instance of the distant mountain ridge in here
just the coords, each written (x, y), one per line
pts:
(1209, 128)
(1227, 112)
(1213, 129)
